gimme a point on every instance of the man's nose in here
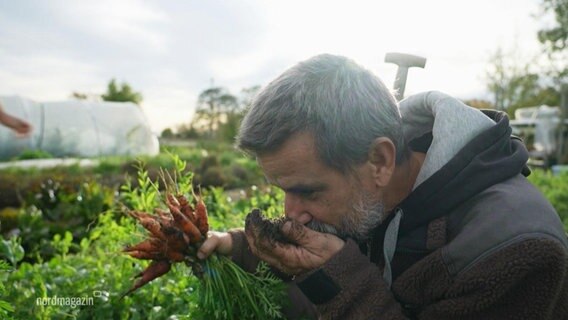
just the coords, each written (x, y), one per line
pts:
(295, 209)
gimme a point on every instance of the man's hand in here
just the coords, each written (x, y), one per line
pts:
(220, 242)
(309, 251)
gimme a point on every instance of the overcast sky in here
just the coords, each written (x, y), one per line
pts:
(171, 50)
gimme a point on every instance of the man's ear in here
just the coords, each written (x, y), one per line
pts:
(382, 157)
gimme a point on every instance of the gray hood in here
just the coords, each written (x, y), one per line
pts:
(452, 124)
(467, 151)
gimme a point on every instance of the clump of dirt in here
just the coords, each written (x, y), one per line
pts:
(265, 228)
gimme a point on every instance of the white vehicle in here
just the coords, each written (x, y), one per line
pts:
(543, 133)
(78, 129)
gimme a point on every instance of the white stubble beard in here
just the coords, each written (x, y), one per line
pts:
(365, 215)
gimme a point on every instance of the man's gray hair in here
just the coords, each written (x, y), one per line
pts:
(342, 104)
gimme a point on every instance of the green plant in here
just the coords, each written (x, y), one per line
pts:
(57, 209)
(12, 250)
(34, 154)
(555, 189)
(144, 197)
(6, 309)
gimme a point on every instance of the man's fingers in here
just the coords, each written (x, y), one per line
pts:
(254, 243)
(258, 246)
(310, 249)
(208, 247)
(216, 241)
(299, 233)
(272, 257)
(319, 244)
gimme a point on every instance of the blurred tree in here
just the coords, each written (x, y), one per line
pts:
(186, 131)
(554, 38)
(547, 95)
(514, 85)
(508, 79)
(122, 94)
(213, 106)
(540, 96)
(230, 127)
(219, 113)
(479, 104)
(248, 95)
(167, 133)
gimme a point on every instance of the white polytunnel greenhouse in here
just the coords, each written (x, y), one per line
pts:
(78, 129)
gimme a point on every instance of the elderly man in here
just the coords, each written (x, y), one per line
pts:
(419, 211)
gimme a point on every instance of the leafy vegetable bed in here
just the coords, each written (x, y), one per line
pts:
(85, 279)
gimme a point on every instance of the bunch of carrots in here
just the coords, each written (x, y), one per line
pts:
(175, 234)
(174, 237)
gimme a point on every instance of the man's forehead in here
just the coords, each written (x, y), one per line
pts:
(295, 155)
(296, 182)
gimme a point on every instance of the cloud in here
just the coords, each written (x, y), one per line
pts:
(125, 23)
(42, 77)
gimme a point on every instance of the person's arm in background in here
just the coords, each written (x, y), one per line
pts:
(18, 125)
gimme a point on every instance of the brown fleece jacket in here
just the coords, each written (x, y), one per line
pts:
(527, 279)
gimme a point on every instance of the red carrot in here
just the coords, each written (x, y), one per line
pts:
(151, 244)
(171, 200)
(187, 226)
(141, 215)
(154, 270)
(175, 256)
(176, 239)
(153, 226)
(164, 215)
(201, 216)
(186, 208)
(145, 255)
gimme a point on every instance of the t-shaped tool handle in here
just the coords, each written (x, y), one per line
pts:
(404, 61)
